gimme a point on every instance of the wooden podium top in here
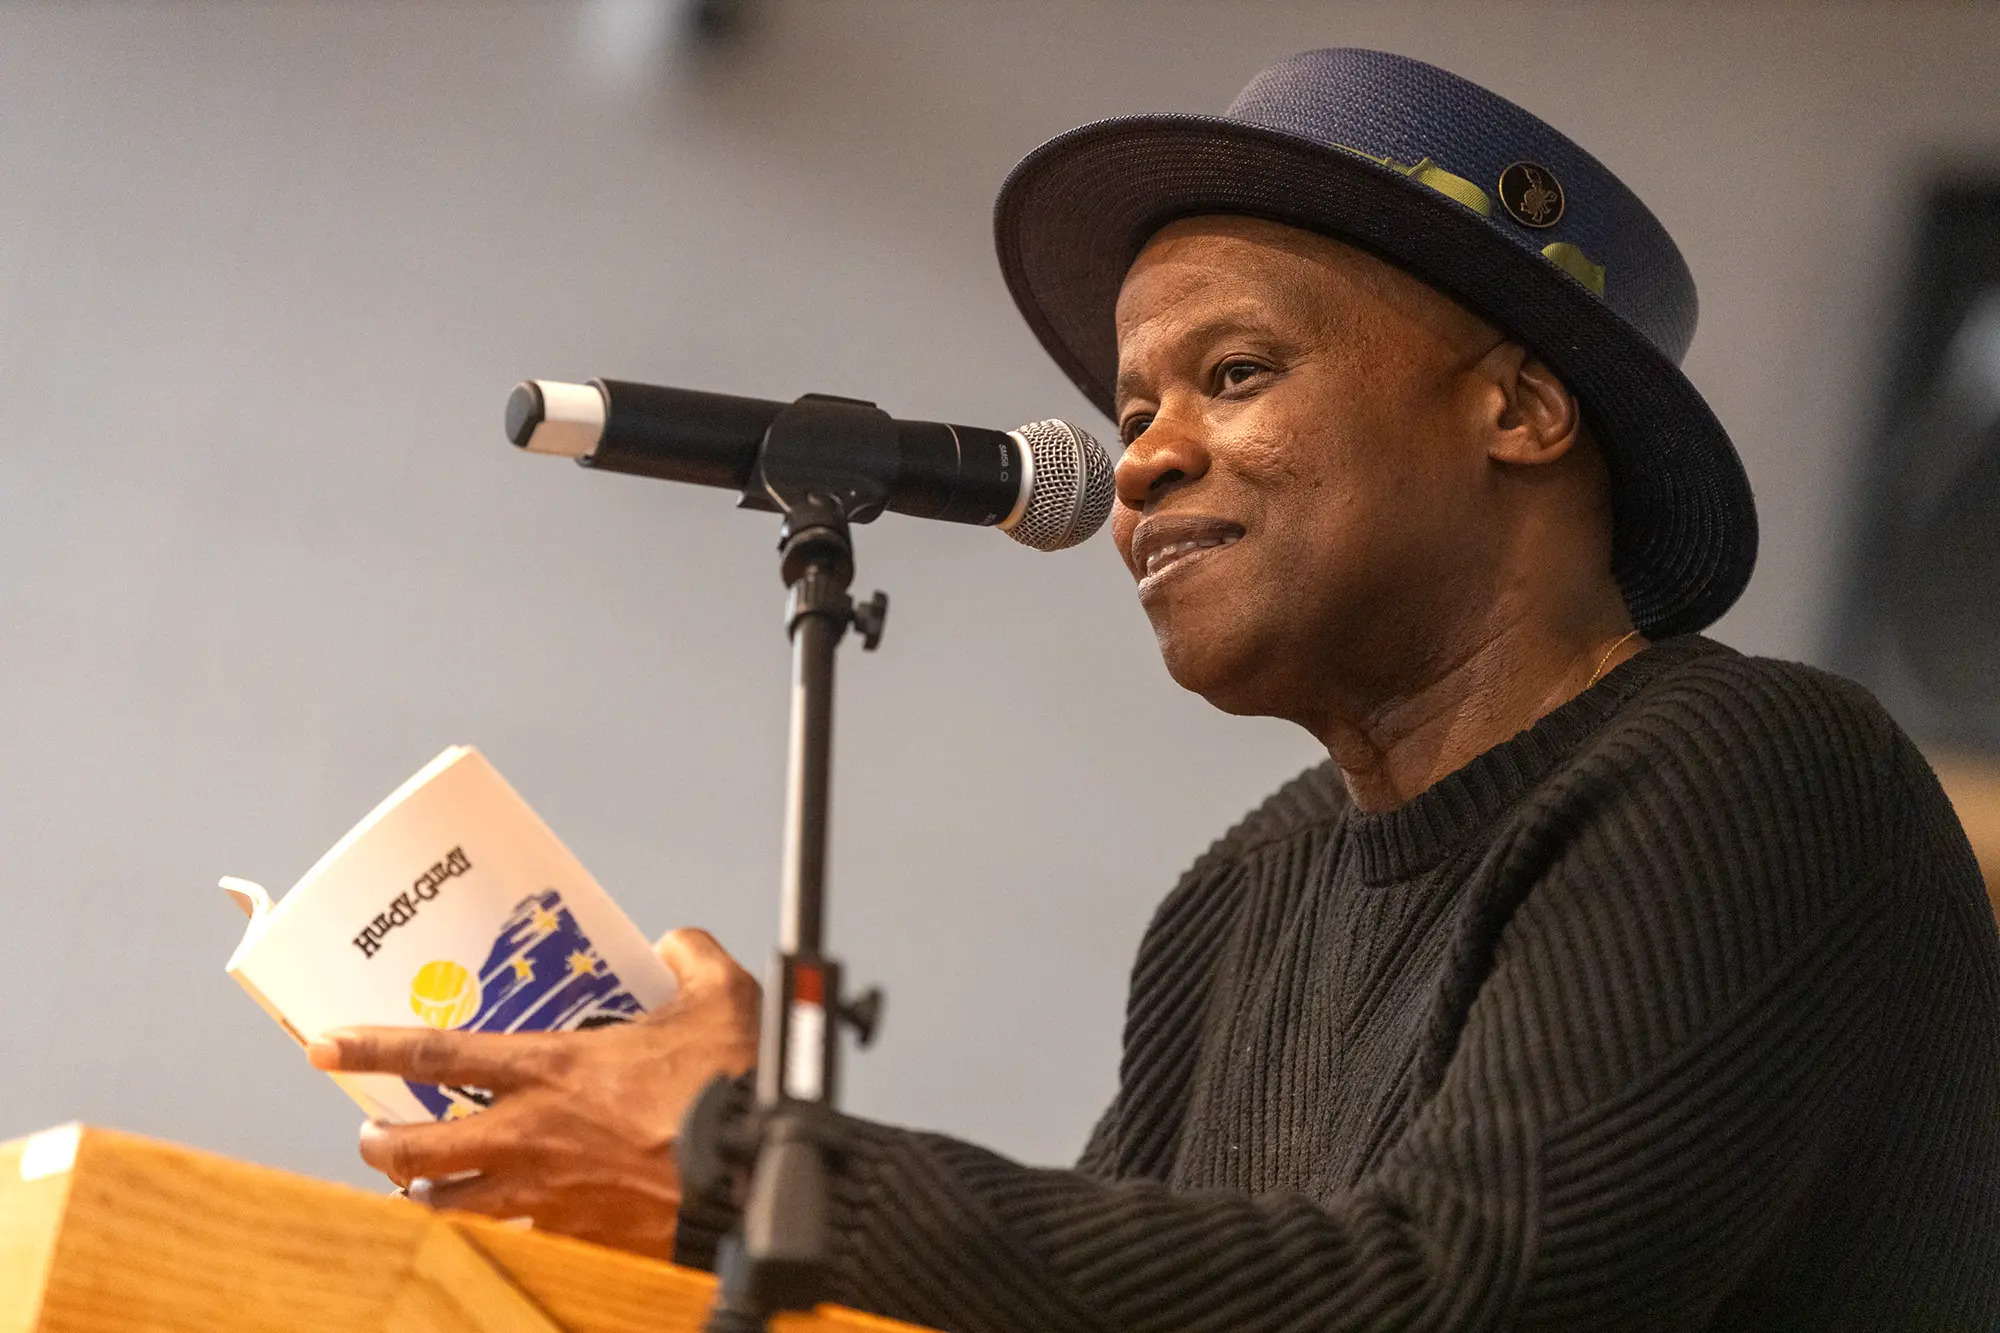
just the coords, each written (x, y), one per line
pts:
(101, 1230)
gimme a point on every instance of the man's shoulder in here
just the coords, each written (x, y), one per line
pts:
(1699, 667)
(1734, 720)
(1777, 766)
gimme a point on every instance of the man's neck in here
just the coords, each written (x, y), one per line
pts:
(1391, 748)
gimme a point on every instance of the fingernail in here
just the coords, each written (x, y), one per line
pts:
(419, 1190)
(324, 1051)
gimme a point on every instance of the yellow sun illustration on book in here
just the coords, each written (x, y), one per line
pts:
(444, 994)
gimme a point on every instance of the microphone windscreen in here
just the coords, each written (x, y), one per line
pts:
(1069, 486)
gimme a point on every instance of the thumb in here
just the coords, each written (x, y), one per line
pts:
(695, 958)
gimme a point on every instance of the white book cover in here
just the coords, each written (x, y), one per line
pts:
(452, 904)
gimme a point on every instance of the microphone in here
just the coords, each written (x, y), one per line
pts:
(1047, 485)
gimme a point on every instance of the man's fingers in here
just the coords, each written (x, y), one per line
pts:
(698, 962)
(404, 1152)
(496, 1060)
(512, 1194)
(500, 1195)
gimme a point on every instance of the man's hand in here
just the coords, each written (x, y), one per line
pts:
(581, 1132)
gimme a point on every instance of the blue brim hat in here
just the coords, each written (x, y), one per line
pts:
(1466, 191)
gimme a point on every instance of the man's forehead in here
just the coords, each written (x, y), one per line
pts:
(1245, 230)
(1196, 323)
(1199, 276)
(1233, 267)
(1229, 243)
(1209, 283)
(1187, 288)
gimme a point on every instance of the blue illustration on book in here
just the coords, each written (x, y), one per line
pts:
(541, 976)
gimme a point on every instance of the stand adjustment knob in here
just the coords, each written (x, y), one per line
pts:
(869, 617)
(863, 1013)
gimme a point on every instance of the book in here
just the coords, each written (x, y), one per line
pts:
(452, 904)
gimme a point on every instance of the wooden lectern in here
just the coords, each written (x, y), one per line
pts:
(107, 1231)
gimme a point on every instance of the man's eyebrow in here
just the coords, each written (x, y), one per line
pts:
(1200, 336)
(1126, 387)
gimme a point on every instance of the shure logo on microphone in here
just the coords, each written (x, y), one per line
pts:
(403, 908)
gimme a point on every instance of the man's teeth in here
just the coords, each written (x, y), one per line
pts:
(1166, 555)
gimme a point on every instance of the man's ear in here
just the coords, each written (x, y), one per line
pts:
(1539, 417)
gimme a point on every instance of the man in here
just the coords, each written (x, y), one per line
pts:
(1604, 978)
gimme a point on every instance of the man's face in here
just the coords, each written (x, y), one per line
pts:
(1305, 488)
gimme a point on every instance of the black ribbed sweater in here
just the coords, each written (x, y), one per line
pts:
(1680, 1010)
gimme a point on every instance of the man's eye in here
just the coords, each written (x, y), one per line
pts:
(1133, 427)
(1234, 373)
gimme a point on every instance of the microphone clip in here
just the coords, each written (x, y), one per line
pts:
(822, 450)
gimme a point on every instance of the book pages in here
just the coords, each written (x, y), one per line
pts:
(452, 904)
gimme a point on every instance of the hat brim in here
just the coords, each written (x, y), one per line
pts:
(1074, 214)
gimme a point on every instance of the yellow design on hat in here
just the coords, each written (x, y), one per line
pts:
(1577, 264)
(1426, 172)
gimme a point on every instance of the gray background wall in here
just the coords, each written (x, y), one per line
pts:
(268, 271)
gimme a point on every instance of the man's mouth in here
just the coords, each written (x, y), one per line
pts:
(1166, 555)
(1165, 541)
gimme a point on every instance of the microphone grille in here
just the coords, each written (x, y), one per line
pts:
(1070, 494)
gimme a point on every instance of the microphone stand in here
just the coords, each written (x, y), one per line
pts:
(776, 1258)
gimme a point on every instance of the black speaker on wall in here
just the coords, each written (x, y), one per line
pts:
(1920, 621)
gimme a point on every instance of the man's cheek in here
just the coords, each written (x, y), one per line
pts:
(1124, 522)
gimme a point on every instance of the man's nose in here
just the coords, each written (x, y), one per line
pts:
(1169, 453)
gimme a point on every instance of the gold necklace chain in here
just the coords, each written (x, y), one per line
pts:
(1622, 640)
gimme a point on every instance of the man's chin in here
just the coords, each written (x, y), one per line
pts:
(1220, 666)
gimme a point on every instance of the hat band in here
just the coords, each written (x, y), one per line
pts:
(1577, 264)
(1427, 172)
(1564, 255)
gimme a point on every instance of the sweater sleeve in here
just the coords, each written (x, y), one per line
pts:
(1664, 1049)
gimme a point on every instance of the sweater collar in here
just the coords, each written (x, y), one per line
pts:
(1397, 844)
